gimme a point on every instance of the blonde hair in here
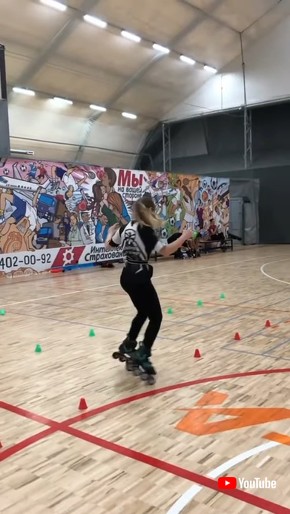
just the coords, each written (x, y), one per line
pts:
(144, 213)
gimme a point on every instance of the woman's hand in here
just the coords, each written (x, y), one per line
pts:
(187, 234)
(113, 229)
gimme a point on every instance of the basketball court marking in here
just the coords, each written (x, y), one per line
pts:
(248, 352)
(66, 427)
(188, 496)
(180, 321)
(262, 270)
(63, 426)
(107, 286)
(89, 325)
(238, 494)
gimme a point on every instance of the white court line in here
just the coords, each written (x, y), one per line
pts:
(188, 496)
(107, 286)
(60, 294)
(214, 266)
(262, 270)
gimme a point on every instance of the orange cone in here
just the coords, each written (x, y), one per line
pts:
(83, 404)
(268, 324)
(197, 354)
(237, 336)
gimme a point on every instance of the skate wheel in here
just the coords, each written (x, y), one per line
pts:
(144, 376)
(151, 380)
(136, 372)
(115, 355)
(129, 366)
(122, 358)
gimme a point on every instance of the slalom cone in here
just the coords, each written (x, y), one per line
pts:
(83, 404)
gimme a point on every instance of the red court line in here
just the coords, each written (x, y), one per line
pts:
(166, 389)
(8, 452)
(30, 415)
(152, 461)
(129, 399)
(243, 496)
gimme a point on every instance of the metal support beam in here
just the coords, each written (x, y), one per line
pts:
(193, 24)
(4, 120)
(209, 15)
(166, 146)
(3, 83)
(248, 146)
(55, 42)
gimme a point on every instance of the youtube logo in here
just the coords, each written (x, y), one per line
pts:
(227, 483)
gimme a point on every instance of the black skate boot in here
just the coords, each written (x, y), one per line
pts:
(145, 367)
(128, 347)
(126, 350)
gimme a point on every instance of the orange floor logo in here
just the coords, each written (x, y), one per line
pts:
(206, 419)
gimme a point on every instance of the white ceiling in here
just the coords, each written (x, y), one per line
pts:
(58, 54)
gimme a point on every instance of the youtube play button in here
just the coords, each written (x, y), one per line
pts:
(227, 483)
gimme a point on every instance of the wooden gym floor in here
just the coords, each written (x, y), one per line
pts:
(148, 449)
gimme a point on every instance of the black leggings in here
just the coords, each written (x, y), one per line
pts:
(144, 297)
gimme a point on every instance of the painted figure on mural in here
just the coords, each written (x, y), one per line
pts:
(191, 202)
(53, 205)
(109, 206)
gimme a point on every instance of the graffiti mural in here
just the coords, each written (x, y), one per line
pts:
(62, 207)
(189, 201)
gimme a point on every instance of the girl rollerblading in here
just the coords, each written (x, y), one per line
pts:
(139, 241)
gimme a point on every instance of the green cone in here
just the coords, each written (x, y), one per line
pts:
(200, 303)
(222, 296)
(2, 312)
(92, 333)
(38, 348)
(170, 311)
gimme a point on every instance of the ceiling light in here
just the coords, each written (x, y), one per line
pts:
(210, 68)
(161, 49)
(54, 4)
(187, 60)
(22, 152)
(23, 91)
(132, 37)
(98, 108)
(95, 21)
(129, 115)
(62, 101)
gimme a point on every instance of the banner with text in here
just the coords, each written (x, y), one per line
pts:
(29, 263)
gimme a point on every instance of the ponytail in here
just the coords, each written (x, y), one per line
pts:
(144, 211)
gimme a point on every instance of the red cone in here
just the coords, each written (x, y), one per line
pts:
(197, 354)
(267, 324)
(83, 404)
(1, 445)
(237, 336)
